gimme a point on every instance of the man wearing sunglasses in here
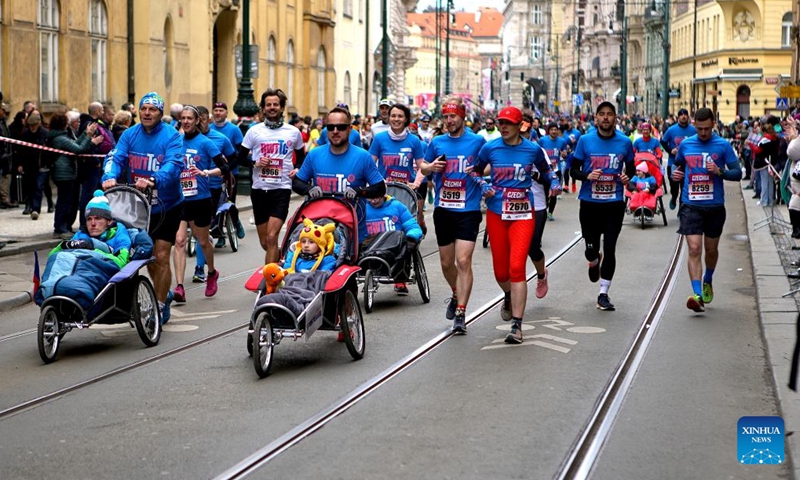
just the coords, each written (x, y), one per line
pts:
(340, 168)
(354, 138)
(489, 131)
(274, 146)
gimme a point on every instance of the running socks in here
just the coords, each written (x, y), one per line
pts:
(708, 275)
(604, 285)
(697, 287)
(461, 310)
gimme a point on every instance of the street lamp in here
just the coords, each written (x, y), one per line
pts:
(245, 106)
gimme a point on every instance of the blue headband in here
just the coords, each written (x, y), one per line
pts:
(153, 99)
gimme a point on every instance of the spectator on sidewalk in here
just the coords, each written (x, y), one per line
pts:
(122, 121)
(34, 166)
(90, 172)
(5, 161)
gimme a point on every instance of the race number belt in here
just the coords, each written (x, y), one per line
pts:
(188, 183)
(605, 187)
(453, 194)
(154, 195)
(397, 175)
(272, 172)
(701, 187)
(516, 204)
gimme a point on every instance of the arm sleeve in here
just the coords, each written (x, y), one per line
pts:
(375, 190)
(222, 163)
(733, 171)
(300, 187)
(576, 170)
(300, 158)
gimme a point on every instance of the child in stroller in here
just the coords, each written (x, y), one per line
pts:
(643, 186)
(315, 249)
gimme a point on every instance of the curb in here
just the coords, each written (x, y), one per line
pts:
(16, 301)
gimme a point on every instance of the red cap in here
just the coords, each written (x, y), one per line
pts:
(512, 114)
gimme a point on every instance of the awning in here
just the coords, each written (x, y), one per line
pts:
(740, 77)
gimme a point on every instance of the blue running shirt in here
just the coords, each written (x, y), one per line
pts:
(224, 146)
(554, 148)
(397, 159)
(701, 187)
(608, 154)
(674, 136)
(455, 190)
(198, 152)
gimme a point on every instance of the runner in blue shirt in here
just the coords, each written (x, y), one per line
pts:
(572, 135)
(340, 168)
(399, 154)
(603, 161)
(153, 153)
(556, 148)
(515, 164)
(202, 160)
(354, 137)
(701, 164)
(670, 141)
(234, 135)
(647, 143)
(457, 216)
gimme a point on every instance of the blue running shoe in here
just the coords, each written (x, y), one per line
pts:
(165, 308)
(220, 242)
(451, 308)
(199, 275)
(240, 230)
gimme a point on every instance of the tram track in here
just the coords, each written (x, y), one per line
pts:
(304, 430)
(584, 453)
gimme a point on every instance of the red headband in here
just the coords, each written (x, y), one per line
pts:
(459, 110)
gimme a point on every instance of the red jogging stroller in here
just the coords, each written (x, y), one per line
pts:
(646, 211)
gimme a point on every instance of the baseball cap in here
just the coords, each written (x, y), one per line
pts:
(386, 102)
(683, 111)
(512, 114)
(221, 105)
(425, 118)
(607, 104)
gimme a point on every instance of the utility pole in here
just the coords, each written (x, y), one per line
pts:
(385, 52)
(558, 78)
(438, 43)
(665, 66)
(447, 87)
(245, 106)
(367, 52)
(623, 65)
(577, 88)
(693, 106)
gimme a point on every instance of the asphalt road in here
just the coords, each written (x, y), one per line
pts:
(472, 408)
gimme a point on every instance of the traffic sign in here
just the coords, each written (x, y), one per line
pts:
(790, 91)
(577, 99)
(557, 103)
(782, 103)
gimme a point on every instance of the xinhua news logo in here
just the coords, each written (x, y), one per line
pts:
(760, 440)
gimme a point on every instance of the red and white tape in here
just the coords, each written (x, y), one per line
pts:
(49, 149)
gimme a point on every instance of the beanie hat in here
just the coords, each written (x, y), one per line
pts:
(154, 99)
(98, 206)
(642, 167)
(321, 235)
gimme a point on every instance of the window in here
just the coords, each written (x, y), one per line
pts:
(347, 8)
(98, 32)
(348, 93)
(169, 53)
(536, 48)
(48, 23)
(786, 30)
(360, 93)
(536, 15)
(321, 65)
(290, 79)
(271, 53)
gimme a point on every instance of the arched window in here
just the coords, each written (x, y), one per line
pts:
(786, 30)
(321, 65)
(743, 101)
(290, 80)
(348, 93)
(169, 54)
(271, 57)
(48, 23)
(98, 32)
(360, 108)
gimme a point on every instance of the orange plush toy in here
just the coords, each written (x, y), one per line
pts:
(274, 274)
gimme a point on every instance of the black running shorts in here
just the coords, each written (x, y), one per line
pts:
(270, 203)
(197, 211)
(451, 225)
(164, 224)
(706, 221)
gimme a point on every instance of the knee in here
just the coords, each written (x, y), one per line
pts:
(271, 239)
(695, 250)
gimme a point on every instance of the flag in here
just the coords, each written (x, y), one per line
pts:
(36, 279)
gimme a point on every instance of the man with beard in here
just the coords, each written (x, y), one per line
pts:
(603, 162)
(273, 145)
(671, 139)
(383, 112)
(457, 215)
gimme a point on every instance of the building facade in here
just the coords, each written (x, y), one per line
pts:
(526, 34)
(353, 57)
(731, 56)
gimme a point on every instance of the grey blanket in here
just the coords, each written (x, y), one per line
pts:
(298, 291)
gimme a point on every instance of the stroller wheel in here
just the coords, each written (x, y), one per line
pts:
(48, 335)
(262, 346)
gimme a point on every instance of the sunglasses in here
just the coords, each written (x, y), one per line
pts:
(341, 127)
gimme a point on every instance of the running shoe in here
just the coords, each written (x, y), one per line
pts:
(240, 230)
(505, 310)
(220, 242)
(695, 302)
(179, 294)
(401, 289)
(459, 325)
(165, 309)
(673, 203)
(34, 215)
(550, 217)
(708, 293)
(594, 270)
(199, 275)
(604, 303)
(574, 187)
(451, 308)
(541, 286)
(515, 336)
(211, 283)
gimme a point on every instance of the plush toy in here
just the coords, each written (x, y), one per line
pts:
(321, 235)
(274, 274)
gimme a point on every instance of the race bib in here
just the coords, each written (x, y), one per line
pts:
(701, 187)
(516, 204)
(188, 183)
(272, 172)
(604, 188)
(397, 175)
(453, 194)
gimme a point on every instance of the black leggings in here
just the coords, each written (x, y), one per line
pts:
(602, 219)
(674, 187)
(535, 250)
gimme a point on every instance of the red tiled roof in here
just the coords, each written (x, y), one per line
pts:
(491, 21)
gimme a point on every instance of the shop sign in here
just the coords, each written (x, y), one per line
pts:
(741, 60)
(772, 80)
(709, 63)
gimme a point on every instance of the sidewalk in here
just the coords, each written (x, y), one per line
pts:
(22, 236)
